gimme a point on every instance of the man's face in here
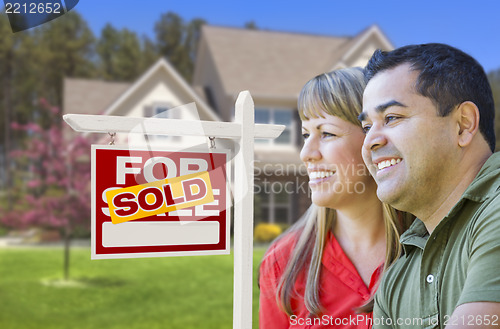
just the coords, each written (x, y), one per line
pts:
(408, 148)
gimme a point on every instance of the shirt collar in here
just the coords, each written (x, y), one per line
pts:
(486, 181)
(482, 187)
(415, 236)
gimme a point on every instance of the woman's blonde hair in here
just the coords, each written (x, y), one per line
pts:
(337, 93)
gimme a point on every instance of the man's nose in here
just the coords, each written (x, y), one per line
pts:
(374, 139)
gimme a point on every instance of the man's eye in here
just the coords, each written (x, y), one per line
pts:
(366, 128)
(305, 136)
(390, 118)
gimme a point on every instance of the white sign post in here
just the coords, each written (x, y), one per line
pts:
(245, 130)
(243, 215)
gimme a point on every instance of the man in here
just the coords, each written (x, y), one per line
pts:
(428, 114)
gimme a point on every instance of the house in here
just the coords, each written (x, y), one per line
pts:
(273, 66)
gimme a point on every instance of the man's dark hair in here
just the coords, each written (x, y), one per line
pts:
(447, 76)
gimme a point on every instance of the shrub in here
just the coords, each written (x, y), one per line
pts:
(265, 232)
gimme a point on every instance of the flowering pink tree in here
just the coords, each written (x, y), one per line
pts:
(55, 190)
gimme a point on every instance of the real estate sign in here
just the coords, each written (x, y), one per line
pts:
(154, 202)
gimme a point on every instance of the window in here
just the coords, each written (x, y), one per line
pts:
(161, 112)
(273, 203)
(165, 111)
(280, 117)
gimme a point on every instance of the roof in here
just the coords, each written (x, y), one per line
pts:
(276, 65)
(270, 64)
(86, 96)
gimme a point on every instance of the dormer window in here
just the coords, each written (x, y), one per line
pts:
(162, 111)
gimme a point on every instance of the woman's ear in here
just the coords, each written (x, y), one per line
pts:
(468, 122)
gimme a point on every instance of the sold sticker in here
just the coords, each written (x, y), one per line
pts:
(159, 197)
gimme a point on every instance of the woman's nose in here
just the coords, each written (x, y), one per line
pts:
(310, 151)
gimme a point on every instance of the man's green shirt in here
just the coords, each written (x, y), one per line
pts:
(458, 263)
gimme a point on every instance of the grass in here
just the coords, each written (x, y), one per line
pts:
(147, 293)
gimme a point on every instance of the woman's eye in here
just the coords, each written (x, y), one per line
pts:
(366, 128)
(327, 134)
(324, 134)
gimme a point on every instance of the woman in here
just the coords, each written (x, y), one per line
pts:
(324, 270)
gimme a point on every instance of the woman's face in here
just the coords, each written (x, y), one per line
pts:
(332, 153)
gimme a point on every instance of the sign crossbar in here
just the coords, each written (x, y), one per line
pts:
(160, 126)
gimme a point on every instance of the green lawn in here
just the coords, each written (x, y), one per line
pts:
(148, 293)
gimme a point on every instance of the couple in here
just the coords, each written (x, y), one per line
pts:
(421, 118)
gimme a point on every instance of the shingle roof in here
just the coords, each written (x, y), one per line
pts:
(85, 96)
(270, 63)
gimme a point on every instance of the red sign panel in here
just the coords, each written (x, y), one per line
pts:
(202, 229)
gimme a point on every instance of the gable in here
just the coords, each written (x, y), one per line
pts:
(361, 48)
(161, 85)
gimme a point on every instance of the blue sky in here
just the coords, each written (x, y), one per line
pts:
(472, 25)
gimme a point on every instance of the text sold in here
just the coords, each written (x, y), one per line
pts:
(159, 197)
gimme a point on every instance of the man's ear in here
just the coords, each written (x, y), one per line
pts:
(468, 122)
